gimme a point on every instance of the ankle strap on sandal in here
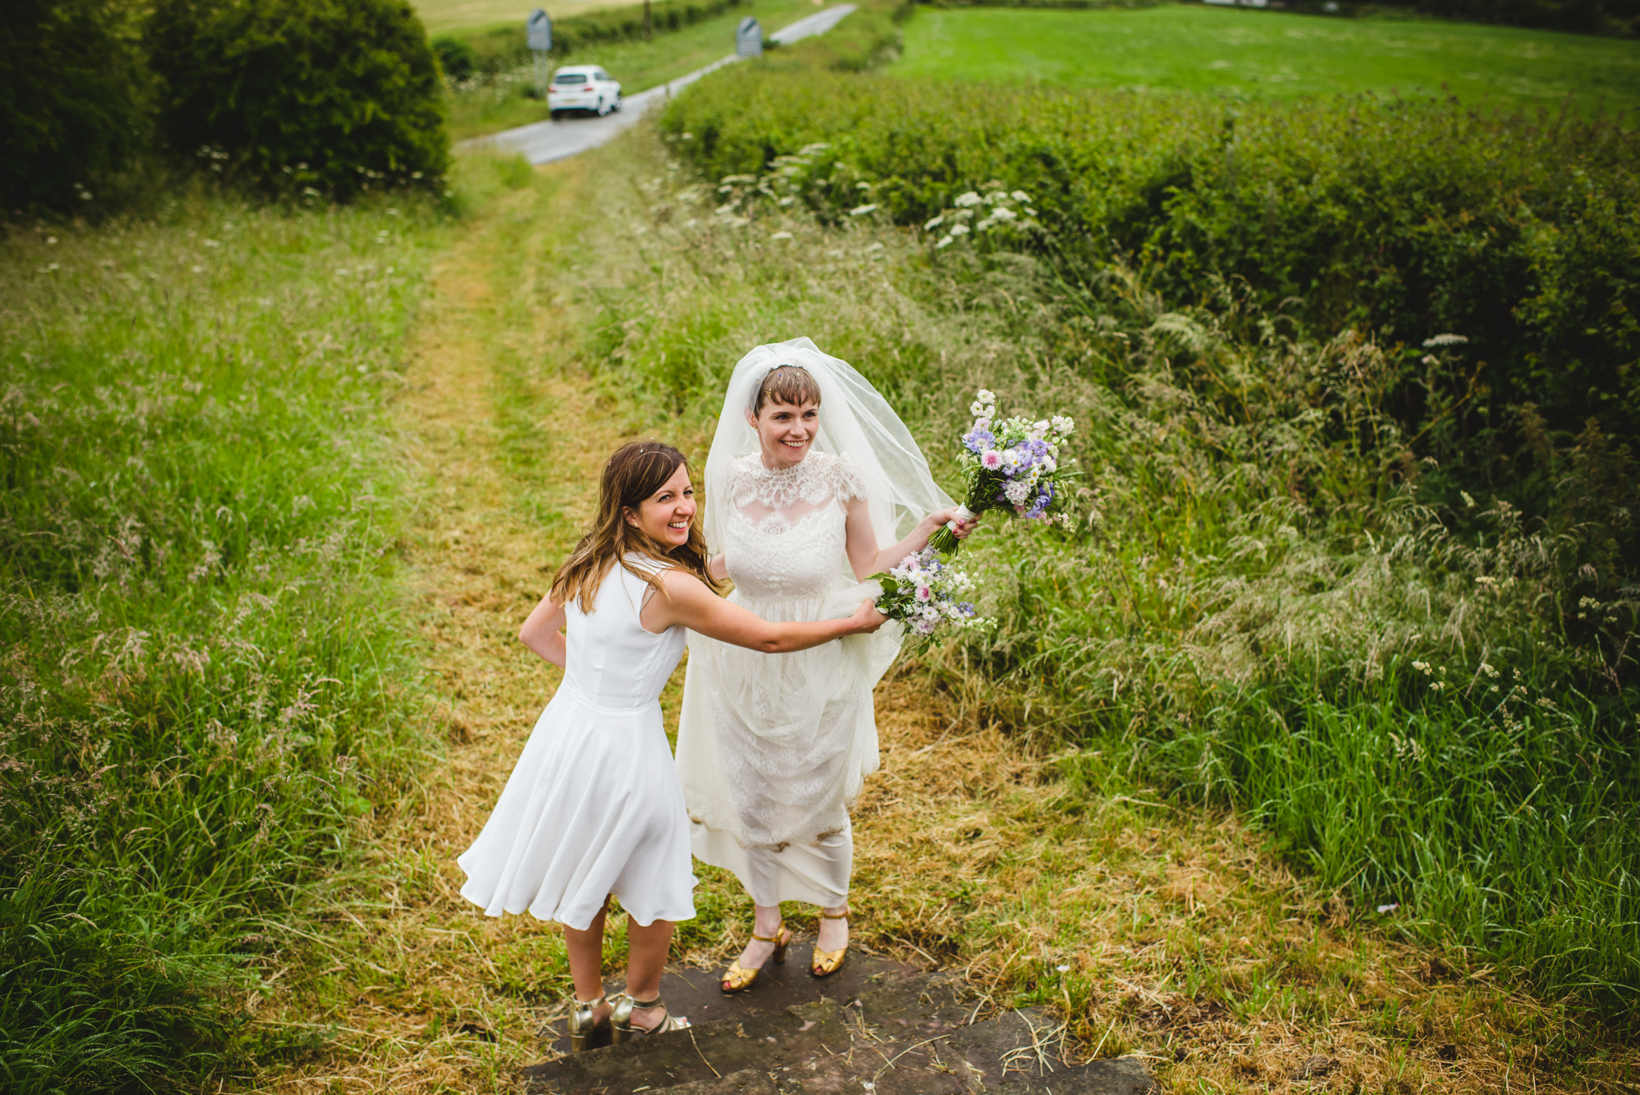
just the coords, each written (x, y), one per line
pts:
(834, 916)
(775, 938)
(645, 1004)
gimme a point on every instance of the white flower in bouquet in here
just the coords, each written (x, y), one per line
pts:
(927, 594)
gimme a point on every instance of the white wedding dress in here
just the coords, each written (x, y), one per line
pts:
(773, 748)
(593, 806)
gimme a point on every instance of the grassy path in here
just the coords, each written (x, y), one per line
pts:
(421, 994)
(1165, 932)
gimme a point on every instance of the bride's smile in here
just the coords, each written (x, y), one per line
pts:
(785, 432)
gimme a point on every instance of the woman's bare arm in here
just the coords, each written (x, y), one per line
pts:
(543, 631)
(863, 554)
(690, 603)
(718, 566)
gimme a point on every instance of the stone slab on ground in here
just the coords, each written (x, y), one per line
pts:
(878, 1027)
(694, 992)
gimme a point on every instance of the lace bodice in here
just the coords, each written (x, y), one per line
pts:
(787, 534)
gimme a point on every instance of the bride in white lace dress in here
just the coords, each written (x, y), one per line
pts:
(811, 481)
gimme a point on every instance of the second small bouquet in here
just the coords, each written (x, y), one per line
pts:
(926, 594)
(1013, 463)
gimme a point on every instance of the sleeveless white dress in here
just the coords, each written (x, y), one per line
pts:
(593, 806)
(773, 749)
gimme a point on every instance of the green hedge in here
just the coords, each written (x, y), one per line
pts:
(1414, 219)
(1613, 17)
(333, 95)
(73, 99)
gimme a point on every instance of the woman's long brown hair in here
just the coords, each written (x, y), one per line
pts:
(637, 470)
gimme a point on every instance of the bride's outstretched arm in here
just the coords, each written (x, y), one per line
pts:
(543, 631)
(863, 553)
(690, 603)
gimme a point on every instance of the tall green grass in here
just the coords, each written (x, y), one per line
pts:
(205, 682)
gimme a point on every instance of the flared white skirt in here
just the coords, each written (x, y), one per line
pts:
(592, 808)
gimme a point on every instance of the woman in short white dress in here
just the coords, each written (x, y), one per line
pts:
(813, 485)
(593, 806)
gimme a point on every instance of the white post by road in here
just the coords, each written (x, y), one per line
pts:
(538, 35)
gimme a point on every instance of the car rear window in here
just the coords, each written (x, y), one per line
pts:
(570, 78)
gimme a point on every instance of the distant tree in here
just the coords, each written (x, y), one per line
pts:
(458, 59)
(338, 95)
(1617, 17)
(73, 98)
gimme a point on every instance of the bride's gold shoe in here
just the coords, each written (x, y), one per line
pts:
(738, 978)
(826, 963)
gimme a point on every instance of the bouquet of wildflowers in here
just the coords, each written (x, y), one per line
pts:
(1010, 462)
(926, 594)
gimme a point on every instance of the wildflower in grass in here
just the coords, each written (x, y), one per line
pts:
(926, 594)
(862, 210)
(965, 200)
(1013, 461)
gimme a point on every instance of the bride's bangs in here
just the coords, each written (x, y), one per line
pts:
(791, 384)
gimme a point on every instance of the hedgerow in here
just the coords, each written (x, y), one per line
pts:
(1410, 219)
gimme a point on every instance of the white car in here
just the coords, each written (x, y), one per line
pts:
(582, 87)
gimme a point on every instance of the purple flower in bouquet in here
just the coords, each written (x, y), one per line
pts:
(1012, 463)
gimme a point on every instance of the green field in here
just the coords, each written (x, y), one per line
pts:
(444, 16)
(1274, 54)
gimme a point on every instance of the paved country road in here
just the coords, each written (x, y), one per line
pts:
(544, 142)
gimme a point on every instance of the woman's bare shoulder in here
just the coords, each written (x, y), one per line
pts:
(676, 579)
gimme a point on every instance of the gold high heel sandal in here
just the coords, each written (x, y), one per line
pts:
(826, 963)
(581, 1025)
(620, 1020)
(738, 978)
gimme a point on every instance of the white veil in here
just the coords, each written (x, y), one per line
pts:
(855, 423)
